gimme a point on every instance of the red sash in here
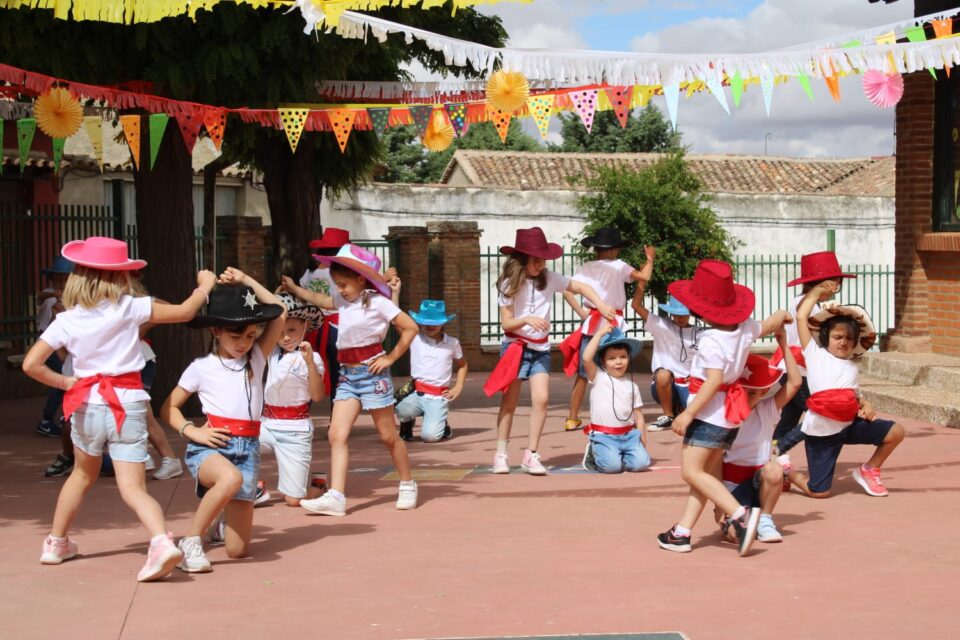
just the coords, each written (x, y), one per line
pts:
(570, 347)
(610, 431)
(322, 341)
(429, 389)
(836, 404)
(737, 473)
(736, 407)
(354, 355)
(681, 381)
(78, 393)
(237, 427)
(797, 355)
(295, 412)
(504, 374)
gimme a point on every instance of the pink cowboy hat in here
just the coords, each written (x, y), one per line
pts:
(713, 295)
(361, 262)
(534, 243)
(101, 253)
(818, 266)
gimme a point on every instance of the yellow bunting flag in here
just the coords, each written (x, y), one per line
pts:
(94, 128)
(541, 108)
(888, 38)
(641, 96)
(293, 120)
(501, 120)
(342, 122)
(131, 131)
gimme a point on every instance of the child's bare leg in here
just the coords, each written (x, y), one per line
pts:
(344, 414)
(692, 509)
(312, 492)
(508, 406)
(664, 383)
(892, 440)
(771, 486)
(158, 436)
(383, 420)
(697, 469)
(222, 480)
(576, 397)
(800, 480)
(86, 470)
(238, 526)
(132, 483)
(539, 396)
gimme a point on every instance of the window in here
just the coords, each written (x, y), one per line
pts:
(946, 153)
(224, 202)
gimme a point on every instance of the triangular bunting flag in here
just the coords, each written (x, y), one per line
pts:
(26, 127)
(501, 120)
(672, 94)
(888, 38)
(642, 95)
(57, 144)
(215, 120)
(158, 124)
(620, 99)
(833, 82)
(421, 116)
(342, 122)
(458, 117)
(131, 131)
(585, 102)
(716, 88)
(804, 81)
(293, 120)
(942, 28)
(736, 88)
(541, 108)
(380, 118)
(915, 34)
(766, 84)
(94, 127)
(189, 124)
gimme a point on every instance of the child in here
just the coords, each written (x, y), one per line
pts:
(105, 400)
(317, 278)
(617, 442)
(433, 354)
(223, 453)
(526, 289)
(607, 275)
(294, 379)
(837, 414)
(674, 342)
(49, 304)
(749, 472)
(366, 313)
(717, 402)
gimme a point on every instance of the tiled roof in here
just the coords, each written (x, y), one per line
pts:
(720, 173)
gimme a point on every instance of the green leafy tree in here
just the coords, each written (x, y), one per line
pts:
(662, 205)
(644, 133)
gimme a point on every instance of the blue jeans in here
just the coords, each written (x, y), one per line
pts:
(54, 395)
(616, 454)
(95, 431)
(374, 391)
(823, 451)
(679, 395)
(243, 452)
(434, 410)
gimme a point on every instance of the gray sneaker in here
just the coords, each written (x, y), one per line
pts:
(169, 468)
(194, 560)
(326, 505)
(767, 530)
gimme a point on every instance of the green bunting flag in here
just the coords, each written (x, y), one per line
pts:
(804, 81)
(421, 116)
(57, 153)
(26, 127)
(736, 88)
(158, 124)
(380, 118)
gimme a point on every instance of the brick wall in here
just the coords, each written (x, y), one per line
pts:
(455, 266)
(243, 245)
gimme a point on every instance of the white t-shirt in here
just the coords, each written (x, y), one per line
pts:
(728, 351)
(223, 386)
(607, 278)
(104, 339)
(320, 281)
(754, 440)
(670, 342)
(362, 325)
(793, 336)
(147, 351)
(612, 399)
(530, 301)
(288, 385)
(826, 371)
(45, 310)
(431, 361)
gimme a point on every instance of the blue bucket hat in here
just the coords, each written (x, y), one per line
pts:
(616, 338)
(60, 265)
(674, 307)
(432, 313)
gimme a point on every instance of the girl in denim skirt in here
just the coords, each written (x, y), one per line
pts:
(105, 398)
(223, 453)
(366, 312)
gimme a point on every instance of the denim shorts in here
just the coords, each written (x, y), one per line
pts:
(434, 410)
(294, 451)
(242, 451)
(823, 451)
(615, 454)
(679, 396)
(94, 429)
(374, 391)
(709, 436)
(584, 341)
(532, 363)
(148, 374)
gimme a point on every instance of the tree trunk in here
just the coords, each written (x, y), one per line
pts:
(293, 194)
(209, 212)
(167, 241)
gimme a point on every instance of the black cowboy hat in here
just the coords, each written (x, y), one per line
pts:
(604, 238)
(235, 306)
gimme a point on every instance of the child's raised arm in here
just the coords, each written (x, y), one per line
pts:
(774, 322)
(589, 366)
(321, 300)
(314, 377)
(163, 313)
(794, 379)
(645, 274)
(806, 307)
(587, 292)
(271, 335)
(408, 331)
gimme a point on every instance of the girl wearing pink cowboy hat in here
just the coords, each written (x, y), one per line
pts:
(366, 313)
(717, 403)
(100, 328)
(526, 289)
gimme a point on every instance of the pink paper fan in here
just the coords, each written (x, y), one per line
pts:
(883, 89)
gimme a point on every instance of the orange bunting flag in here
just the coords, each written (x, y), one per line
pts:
(293, 120)
(541, 108)
(501, 120)
(833, 83)
(94, 127)
(942, 28)
(620, 99)
(215, 120)
(131, 131)
(341, 120)
(189, 123)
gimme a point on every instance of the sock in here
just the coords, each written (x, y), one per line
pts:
(408, 483)
(502, 446)
(56, 539)
(681, 531)
(739, 513)
(867, 467)
(338, 495)
(157, 538)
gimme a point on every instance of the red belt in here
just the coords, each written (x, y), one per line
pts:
(505, 373)
(738, 473)
(797, 355)
(324, 339)
(570, 347)
(295, 412)
(354, 355)
(237, 427)
(736, 407)
(610, 431)
(429, 389)
(836, 404)
(79, 392)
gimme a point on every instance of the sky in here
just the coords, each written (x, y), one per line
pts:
(797, 127)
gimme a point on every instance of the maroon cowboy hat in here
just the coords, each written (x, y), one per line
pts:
(332, 238)
(822, 265)
(713, 295)
(534, 243)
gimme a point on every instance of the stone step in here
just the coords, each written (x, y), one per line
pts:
(930, 369)
(920, 402)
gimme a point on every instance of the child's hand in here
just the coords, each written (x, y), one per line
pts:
(232, 275)
(206, 279)
(394, 284)
(604, 328)
(379, 365)
(867, 412)
(286, 282)
(536, 323)
(213, 437)
(607, 312)
(453, 393)
(391, 273)
(69, 381)
(307, 352)
(681, 422)
(651, 252)
(826, 289)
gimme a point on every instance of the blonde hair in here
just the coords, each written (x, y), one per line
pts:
(515, 272)
(87, 287)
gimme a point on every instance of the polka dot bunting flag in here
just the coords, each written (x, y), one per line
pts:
(215, 120)
(189, 124)
(620, 99)
(341, 120)
(131, 131)
(541, 108)
(293, 119)
(421, 116)
(458, 116)
(585, 102)
(380, 117)
(501, 120)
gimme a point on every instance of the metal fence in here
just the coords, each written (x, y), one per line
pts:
(766, 275)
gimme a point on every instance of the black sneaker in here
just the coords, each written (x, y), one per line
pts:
(447, 432)
(660, 424)
(48, 429)
(61, 466)
(406, 431)
(744, 529)
(672, 542)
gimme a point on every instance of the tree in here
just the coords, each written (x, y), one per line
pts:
(649, 132)
(662, 205)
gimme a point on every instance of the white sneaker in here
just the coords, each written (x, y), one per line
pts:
(215, 534)
(767, 530)
(162, 557)
(326, 505)
(407, 497)
(194, 560)
(149, 465)
(532, 465)
(500, 464)
(169, 468)
(56, 551)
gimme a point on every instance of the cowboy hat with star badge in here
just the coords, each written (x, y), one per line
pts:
(235, 306)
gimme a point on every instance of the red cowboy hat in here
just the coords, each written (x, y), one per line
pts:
(758, 374)
(332, 238)
(361, 262)
(822, 265)
(101, 253)
(533, 242)
(713, 295)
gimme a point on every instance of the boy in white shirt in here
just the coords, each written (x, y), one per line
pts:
(433, 354)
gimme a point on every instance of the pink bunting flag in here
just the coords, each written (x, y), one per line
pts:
(585, 102)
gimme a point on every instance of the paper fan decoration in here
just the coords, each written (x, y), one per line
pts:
(507, 91)
(58, 113)
(439, 134)
(883, 89)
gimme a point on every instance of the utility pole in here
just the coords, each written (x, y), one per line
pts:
(766, 137)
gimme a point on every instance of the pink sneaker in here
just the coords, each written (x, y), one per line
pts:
(500, 464)
(869, 479)
(162, 557)
(56, 551)
(531, 464)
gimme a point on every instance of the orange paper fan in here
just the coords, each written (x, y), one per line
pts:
(58, 113)
(507, 91)
(439, 134)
